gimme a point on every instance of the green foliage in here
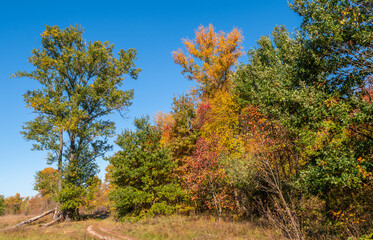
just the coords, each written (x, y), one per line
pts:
(184, 134)
(312, 115)
(70, 199)
(93, 189)
(271, 82)
(2, 205)
(142, 174)
(332, 169)
(243, 175)
(340, 35)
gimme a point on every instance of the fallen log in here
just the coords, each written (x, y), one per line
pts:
(33, 219)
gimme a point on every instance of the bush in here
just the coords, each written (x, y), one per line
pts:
(142, 175)
(2, 205)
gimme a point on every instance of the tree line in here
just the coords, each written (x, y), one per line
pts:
(288, 135)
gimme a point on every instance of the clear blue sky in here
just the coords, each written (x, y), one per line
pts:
(154, 28)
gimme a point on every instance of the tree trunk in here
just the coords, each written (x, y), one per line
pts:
(72, 148)
(60, 161)
(58, 214)
(69, 214)
(33, 219)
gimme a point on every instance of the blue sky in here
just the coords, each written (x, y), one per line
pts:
(153, 28)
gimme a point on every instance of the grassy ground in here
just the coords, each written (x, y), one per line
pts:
(174, 227)
(62, 231)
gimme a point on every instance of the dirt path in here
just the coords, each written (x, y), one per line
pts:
(105, 234)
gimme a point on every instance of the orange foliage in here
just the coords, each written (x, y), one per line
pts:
(211, 57)
(253, 127)
(268, 140)
(165, 122)
(15, 204)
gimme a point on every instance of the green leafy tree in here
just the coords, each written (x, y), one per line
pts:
(320, 102)
(338, 36)
(183, 133)
(79, 86)
(143, 174)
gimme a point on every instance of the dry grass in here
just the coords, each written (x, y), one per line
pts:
(174, 227)
(201, 228)
(62, 231)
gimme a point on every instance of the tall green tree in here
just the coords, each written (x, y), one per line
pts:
(79, 86)
(316, 87)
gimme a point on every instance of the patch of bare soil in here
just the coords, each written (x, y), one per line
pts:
(106, 234)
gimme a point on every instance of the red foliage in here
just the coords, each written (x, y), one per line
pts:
(206, 179)
(368, 90)
(203, 115)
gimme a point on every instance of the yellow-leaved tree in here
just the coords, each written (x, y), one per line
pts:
(223, 121)
(210, 58)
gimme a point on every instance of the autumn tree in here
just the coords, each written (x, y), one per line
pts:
(80, 85)
(178, 128)
(210, 58)
(165, 122)
(46, 182)
(213, 129)
(222, 120)
(14, 204)
(206, 179)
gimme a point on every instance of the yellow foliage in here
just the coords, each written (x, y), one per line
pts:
(224, 122)
(217, 52)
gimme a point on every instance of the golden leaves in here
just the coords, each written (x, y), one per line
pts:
(223, 121)
(165, 122)
(217, 52)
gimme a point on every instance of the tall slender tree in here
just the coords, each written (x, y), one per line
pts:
(79, 86)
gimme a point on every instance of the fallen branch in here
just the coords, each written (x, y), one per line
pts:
(33, 219)
(52, 222)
